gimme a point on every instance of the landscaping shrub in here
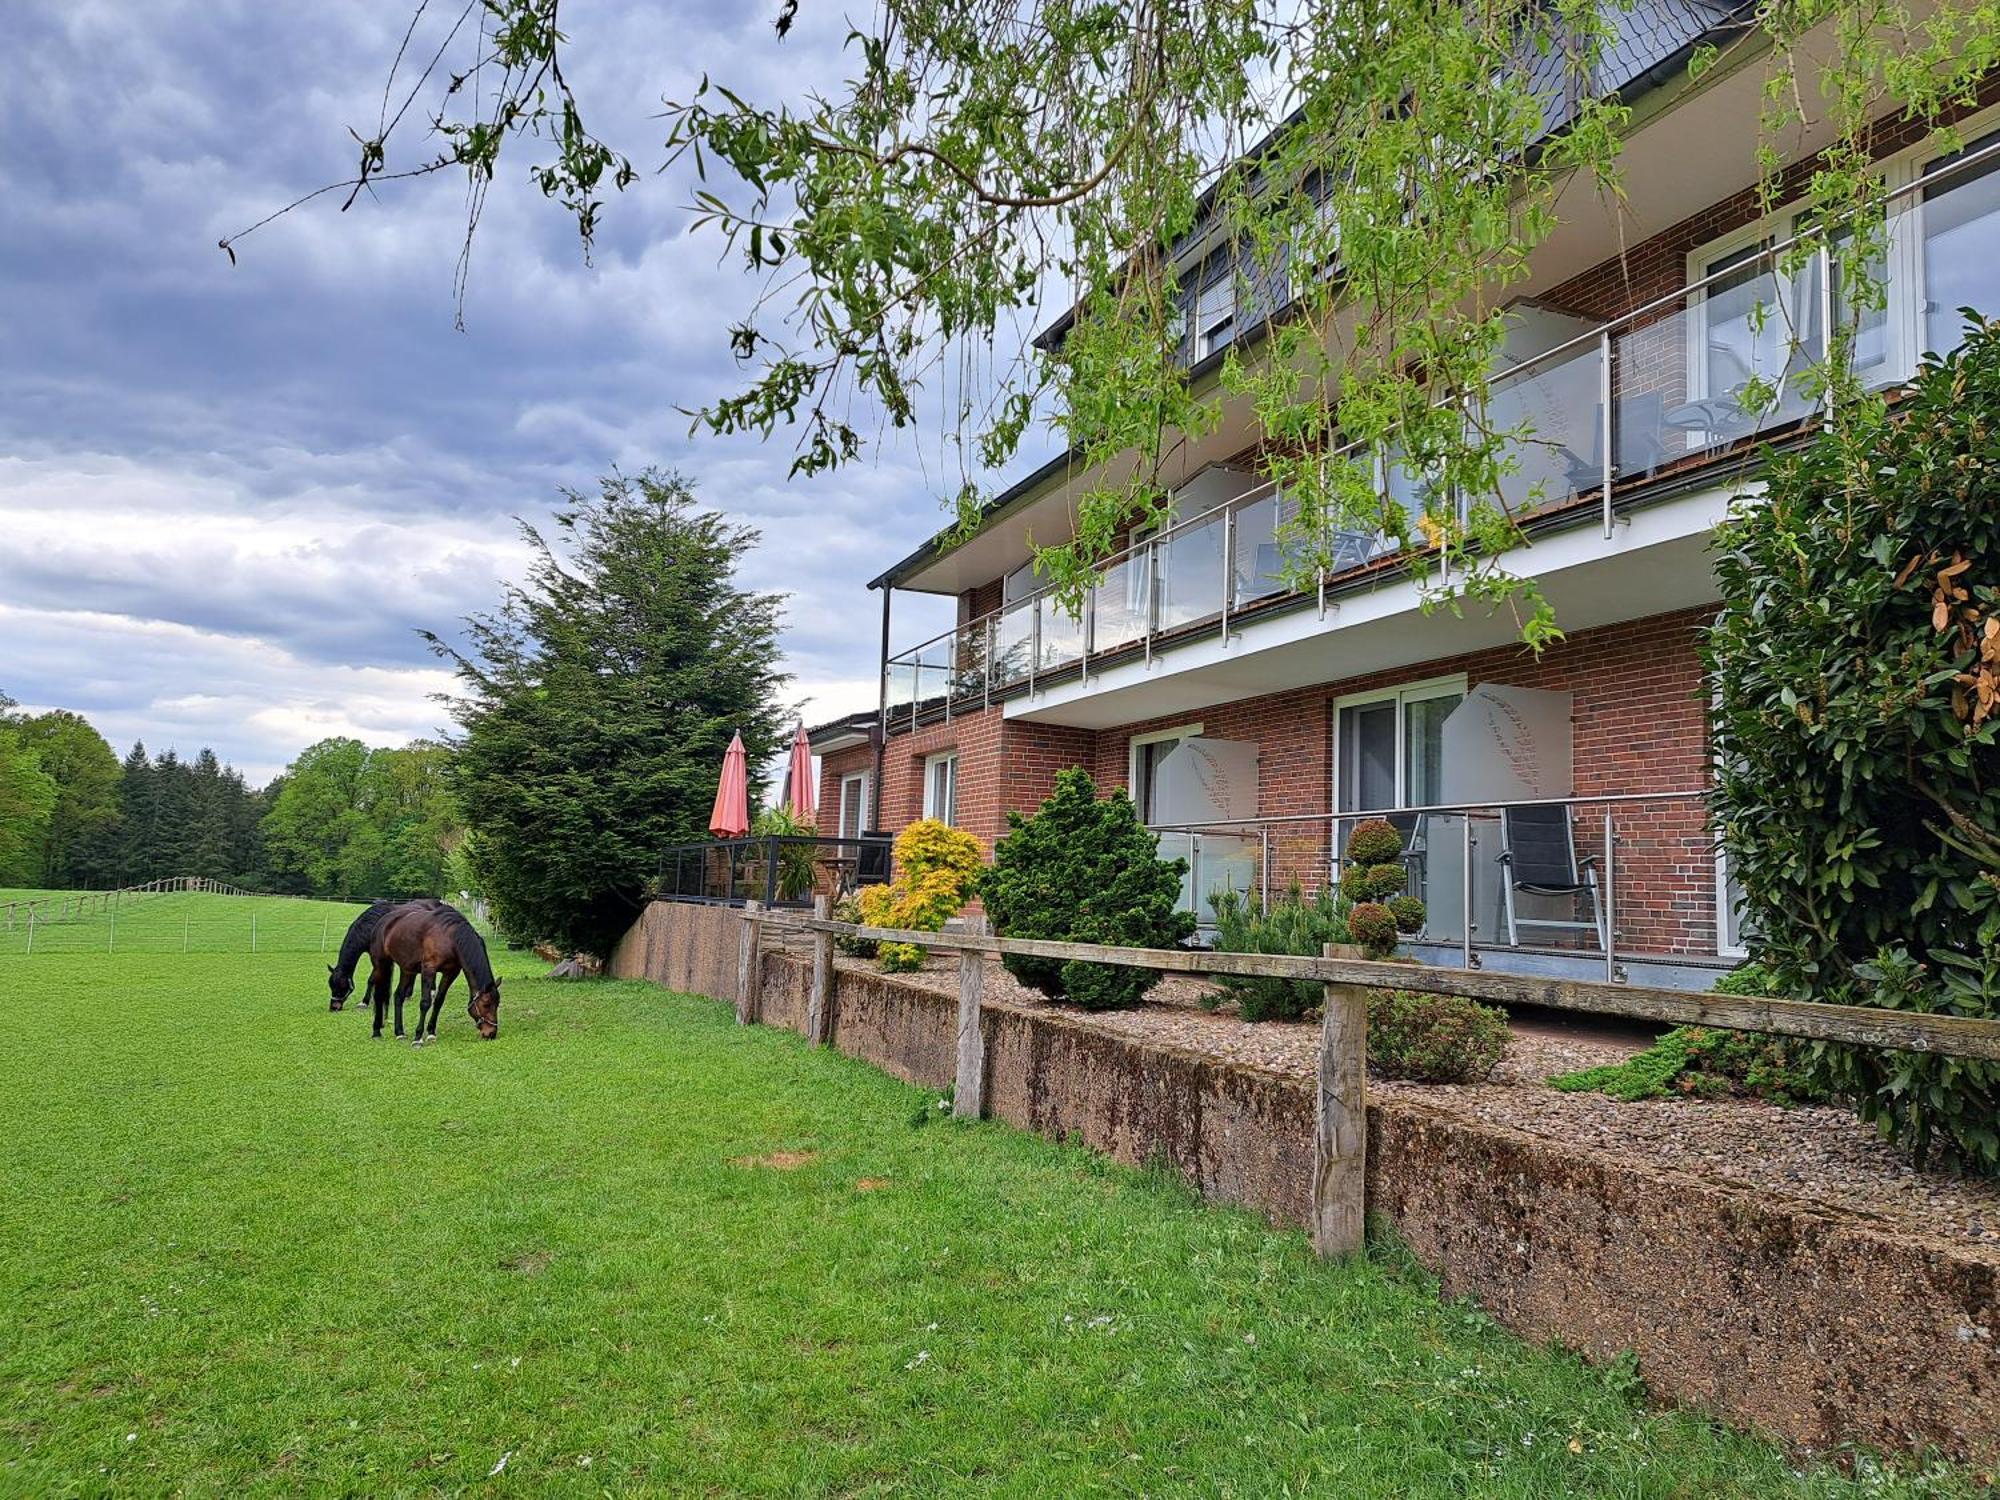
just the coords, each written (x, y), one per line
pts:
(1084, 870)
(1375, 841)
(1372, 882)
(1375, 879)
(848, 909)
(1296, 924)
(1433, 1038)
(1705, 1063)
(1373, 926)
(795, 861)
(937, 867)
(1857, 736)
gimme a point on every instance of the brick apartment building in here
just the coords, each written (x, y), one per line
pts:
(1247, 717)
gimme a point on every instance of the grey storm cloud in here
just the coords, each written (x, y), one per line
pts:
(230, 495)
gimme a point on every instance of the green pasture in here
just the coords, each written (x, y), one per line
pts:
(631, 1248)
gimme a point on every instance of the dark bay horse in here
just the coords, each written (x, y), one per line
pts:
(340, 973)
(433, 943)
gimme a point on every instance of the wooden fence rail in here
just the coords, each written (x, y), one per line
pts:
(1340, 1093)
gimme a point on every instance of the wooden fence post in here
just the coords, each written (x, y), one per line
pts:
(822, 981)
(749, 964)
(968, 1096)
(1340, 1122)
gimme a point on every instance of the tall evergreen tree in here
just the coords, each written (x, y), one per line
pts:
(140, 817)
(599, 700)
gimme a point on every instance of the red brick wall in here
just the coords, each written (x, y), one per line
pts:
(1639, 725)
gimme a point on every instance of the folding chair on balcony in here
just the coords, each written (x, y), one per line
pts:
(1538, 858)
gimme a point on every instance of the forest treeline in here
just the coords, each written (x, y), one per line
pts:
(342, 820)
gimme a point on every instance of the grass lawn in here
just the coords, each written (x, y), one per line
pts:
(631, 1247)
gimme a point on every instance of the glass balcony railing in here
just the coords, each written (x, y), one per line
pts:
(1695, 377)
(1591, 885)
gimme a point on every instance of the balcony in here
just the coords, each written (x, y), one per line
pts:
(1677, 397)
(1612, 887)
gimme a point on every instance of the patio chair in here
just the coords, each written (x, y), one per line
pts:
(872, 865)
(1637, 450)
(1538, 858)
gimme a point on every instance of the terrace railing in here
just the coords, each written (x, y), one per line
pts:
(776, 871)
(1670, 389)
(1648, 881)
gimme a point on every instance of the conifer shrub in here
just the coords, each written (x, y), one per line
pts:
(1373, 926)
(1375, 878)
(1433, 1038)
(1699, 1062)
(1084, 869)
(1374, 841)
(1857, 736)
(848, 909)
(937, 868)
(1296, 924)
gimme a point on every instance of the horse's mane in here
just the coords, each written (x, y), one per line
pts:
(470, 945)
(361, 934)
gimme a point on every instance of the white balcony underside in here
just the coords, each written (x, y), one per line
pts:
(1657, 560)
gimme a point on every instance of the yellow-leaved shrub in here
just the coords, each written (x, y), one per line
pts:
(936, 868)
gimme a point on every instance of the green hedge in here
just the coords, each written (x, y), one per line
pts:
(1857, 666)
(1084, 870)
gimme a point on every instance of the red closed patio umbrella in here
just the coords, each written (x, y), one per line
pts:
(731, 817)
(800, 776)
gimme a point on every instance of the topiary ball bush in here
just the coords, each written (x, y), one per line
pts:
(1085, 870)
(1354, 883)
(1856, 659)
(1373, 926)
(1409, 913)
(1386, 880)
(1433, 1038)
(1374, 841)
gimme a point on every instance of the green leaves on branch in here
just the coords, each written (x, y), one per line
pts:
(1372, 179)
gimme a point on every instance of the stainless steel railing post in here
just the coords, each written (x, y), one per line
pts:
(1228, 567)
(1465, 887)
(1604, 429)
(1610, 902)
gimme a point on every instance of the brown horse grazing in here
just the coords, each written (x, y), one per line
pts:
(432, 943)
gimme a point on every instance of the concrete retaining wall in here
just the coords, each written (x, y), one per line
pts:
(1814, 1327)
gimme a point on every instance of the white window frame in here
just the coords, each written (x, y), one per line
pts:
(1698, 261)
(1402, 695)
(1151, 737)
(949, 759)
(1215, 327)
(1723, 926)
(861, 809)
(1906, 234)
(1903, 255)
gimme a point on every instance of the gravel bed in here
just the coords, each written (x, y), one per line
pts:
(1824, 1158)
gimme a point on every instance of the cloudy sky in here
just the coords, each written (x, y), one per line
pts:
(230, 495)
